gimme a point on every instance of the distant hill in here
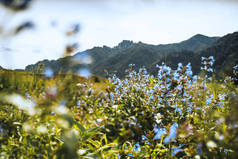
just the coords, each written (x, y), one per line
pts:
(195, 44)
(117, 59)
(224, 51)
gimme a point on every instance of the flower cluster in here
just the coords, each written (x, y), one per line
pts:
(173, 114)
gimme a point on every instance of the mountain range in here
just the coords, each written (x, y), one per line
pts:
(116, 59)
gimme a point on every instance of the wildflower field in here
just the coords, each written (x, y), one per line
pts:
(172, 115)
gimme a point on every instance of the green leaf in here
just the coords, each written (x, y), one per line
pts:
(80, 126)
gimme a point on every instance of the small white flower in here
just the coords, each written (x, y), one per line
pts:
(219, 136)
(99, 120)
(81, 152)
(42, 129)
(114, 106)
(76, 132)
(158, 118)
(158, 121)
(211, 144)
(61, 110)
(63, 123)
(21, 103)
(27, 127)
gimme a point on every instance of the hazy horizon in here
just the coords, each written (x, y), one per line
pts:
(110, 22)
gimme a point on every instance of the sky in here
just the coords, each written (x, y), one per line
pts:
(108, 22)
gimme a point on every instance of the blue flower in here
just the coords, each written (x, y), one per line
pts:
(208, 101)
(180, 65)
(199, 149)
(137, 147)
(210, 70)
(48, 73)
(222, 96)
(78, 104)
(159, 132)
(176, 150)
(172, 133)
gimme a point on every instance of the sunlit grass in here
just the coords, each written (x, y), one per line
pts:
(174, 114)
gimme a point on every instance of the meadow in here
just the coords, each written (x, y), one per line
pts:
(172, 115)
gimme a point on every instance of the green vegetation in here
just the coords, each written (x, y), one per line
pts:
(171, 115)
(51, 112)
(127, 52)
